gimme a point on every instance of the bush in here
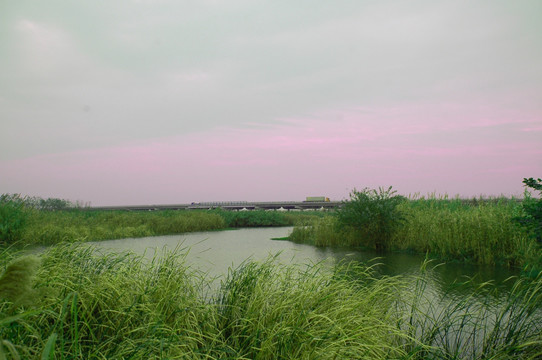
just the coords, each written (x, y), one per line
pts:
(12, 218)
(257, 218)
(532, 219)
(373, 215)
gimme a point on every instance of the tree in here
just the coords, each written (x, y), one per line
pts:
(532, 207)
(373, 215)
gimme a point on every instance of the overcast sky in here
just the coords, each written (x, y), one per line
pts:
(151, 102)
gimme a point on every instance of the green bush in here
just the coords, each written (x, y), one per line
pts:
(13, 217)
(256, 218)
(532, 218)
(373, 214)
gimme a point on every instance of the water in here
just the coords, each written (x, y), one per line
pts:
(432, 306)
(217, 251)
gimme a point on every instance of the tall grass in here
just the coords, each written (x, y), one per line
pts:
(480, 323)
(46, 228)
(272, 313)
(42, 227)
(475, 231)
(86, 305)
(483, 233)
(111, 306)
(323, 231)
(260, 218)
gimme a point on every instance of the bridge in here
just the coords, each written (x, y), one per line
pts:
(232, 205)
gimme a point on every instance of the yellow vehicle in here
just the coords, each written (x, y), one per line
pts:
(317, 199)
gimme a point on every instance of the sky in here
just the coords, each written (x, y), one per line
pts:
(124, 102)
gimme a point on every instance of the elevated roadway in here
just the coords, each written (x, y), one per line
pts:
(231, 205)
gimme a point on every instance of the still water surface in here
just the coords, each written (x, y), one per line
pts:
(217, 251)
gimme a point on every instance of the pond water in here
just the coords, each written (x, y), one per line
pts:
(434, 309)
(217, 251)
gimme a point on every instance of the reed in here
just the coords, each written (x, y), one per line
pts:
(16, 282)
(477, 231)
(42, 227)
(479, 324)
(91, 305)
(456, 230)
(47, 228)
(306, 313)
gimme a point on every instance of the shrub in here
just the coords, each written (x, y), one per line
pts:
(373, 215)
(12, 218)
(532, 219)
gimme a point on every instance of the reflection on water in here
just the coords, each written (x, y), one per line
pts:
(436, 310)
(215, 252)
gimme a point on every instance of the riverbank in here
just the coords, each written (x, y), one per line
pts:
(43, 227)
(72, 302)
(480, 232)
(447, 229)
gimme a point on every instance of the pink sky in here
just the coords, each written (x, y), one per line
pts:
(157, 102)
(474, 152)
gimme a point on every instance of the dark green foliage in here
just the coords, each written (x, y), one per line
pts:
(373, 215)
(52, 204)
(532, 219)
(256, 218)
(13, 216)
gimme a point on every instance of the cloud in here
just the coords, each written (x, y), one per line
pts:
(330, 152)
(168, 92)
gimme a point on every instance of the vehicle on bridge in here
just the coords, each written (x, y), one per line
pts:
(317, 199)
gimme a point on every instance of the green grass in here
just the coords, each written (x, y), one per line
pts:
(473, 231)
(482, 233)
(478, 322)
(84, 305)
(42, 227)
(262, 218)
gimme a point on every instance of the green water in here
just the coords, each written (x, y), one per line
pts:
(215, 252)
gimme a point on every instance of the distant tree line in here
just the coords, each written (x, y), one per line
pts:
(38, 203)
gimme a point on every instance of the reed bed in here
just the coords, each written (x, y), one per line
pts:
(481, 232)
(481, 322)
(42, 227)
(80, 304)
(475, 231)
(47, 227)
(263, 218)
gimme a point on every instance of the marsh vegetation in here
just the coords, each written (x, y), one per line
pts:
(482, 231)
(23, 222)
(74, 302)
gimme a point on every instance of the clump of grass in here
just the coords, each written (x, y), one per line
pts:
(282, 313)
(479, 324)
(18, 279)
(93, 305)
(113, 306)
(323, 231)
(119, 306)
(482, 232)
